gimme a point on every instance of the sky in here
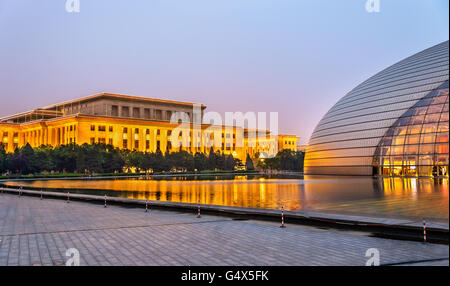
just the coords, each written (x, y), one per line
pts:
(294, 57)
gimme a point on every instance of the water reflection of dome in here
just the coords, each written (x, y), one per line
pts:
(394, 123)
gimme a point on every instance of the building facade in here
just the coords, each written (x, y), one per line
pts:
(396, 123)
(127, 122)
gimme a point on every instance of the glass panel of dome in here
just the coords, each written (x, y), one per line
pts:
(429, 128)
(428, 138)
(410, 171)
(442, 148)
(443, 126)
(401, 130)
(442, 160)
(424, 102)
(431, 118)
(412, 139)
(397, 150)
(425, 170)
(410, 160)
(442, 137)
(411, 149)
(414, 129)
(403, 121)
(399, 140)
(397, 160)
(439, 99)
(435, 108)
(426, 149)
(417, 119)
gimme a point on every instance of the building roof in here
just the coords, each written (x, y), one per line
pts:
(121, 96)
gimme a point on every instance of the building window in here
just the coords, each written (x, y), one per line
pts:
(71, 127)
(158, 132)
(136, 144)
(147, 113)
(147, 144)
(158, 114)
(125, 111)
(136, 112)
(92, 127)
(102, 140)
(158, 145)
(102, 128)
(125, 143)
(114, 110)
(92, 140)
(168, 115)
(111, 129)
(110, 141)
(125, 130)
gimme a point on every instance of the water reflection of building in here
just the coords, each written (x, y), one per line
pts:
(396, 123)
(385, 196)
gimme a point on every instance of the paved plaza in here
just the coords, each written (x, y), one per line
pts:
(38, 232)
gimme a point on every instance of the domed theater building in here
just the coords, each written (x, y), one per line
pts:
(396, 123)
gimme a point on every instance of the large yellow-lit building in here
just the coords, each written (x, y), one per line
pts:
(128, 122)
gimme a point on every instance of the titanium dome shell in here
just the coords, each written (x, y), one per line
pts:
(394, 123)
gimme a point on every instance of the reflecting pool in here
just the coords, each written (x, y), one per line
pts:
(388, 196)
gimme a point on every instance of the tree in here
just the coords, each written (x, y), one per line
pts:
(2, 159)
(200, 161)
(249, 163)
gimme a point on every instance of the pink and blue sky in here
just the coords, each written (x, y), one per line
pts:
(296, 57)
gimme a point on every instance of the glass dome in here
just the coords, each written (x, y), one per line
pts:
(417, 143)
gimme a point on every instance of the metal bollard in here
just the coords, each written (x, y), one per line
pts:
(424, 231)
(282, 218)
(41, 194)
(68, 197)
(146, 205)
(198, 212)
(105, 200)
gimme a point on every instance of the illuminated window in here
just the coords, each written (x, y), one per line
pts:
(416, 142)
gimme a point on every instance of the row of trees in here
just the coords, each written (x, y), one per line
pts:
(285, 160)
(100, 158)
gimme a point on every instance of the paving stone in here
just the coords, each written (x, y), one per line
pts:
(38, 232)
